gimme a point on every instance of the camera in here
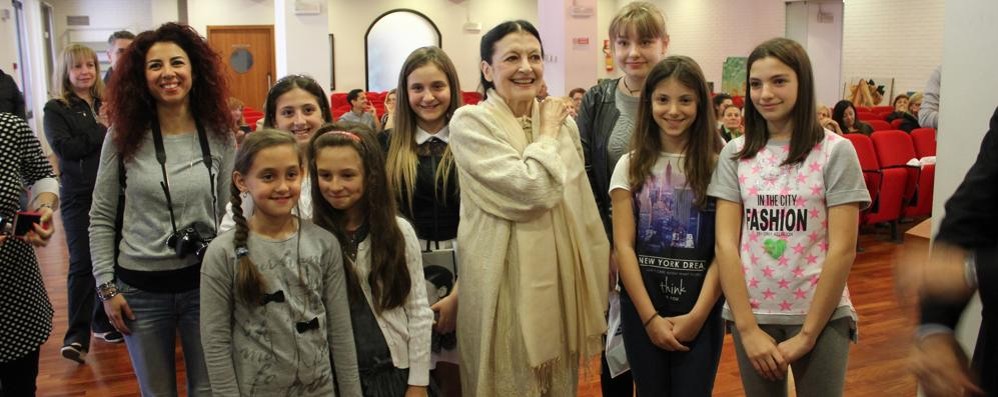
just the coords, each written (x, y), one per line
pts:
(189, 241)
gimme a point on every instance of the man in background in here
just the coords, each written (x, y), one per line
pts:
(116, 45)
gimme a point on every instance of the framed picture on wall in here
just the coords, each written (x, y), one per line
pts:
(332, 63)
(869, 91)
(733, 76)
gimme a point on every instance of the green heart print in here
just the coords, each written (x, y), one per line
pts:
(775, 247)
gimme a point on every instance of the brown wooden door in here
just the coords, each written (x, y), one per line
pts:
(248, 53)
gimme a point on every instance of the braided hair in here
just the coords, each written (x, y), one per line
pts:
(250, 285)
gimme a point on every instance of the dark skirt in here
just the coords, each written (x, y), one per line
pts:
(378, 375)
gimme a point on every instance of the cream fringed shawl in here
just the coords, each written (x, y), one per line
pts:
(534, 251)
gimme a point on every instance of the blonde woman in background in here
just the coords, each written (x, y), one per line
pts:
(76, 133)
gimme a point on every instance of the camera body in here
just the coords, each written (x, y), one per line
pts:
(189, 240)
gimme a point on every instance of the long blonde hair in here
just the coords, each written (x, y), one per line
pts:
(61, 86)
(402, 160)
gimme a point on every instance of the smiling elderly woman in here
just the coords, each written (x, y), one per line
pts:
(535, 254)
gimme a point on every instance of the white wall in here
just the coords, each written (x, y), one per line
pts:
(106, 16)
(969, 92)
(8, 46)
(823, 41)
(894, 38)
(711, 31)
(968, 98)
(201, 13)
(349, 20)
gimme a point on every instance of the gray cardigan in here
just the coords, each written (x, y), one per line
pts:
(255, 349)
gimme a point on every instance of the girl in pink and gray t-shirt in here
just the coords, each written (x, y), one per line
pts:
(789, 195)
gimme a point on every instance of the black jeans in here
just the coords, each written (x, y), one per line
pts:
(17, 378)
(661, 373)
(85, 312)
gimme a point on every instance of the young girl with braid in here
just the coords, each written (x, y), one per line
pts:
(275, 319)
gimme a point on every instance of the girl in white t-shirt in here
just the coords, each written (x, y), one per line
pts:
(789, 195)
(663, 232)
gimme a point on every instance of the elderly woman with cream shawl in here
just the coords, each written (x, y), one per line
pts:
(534, 258)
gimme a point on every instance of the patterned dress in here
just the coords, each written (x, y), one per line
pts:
(25, 310)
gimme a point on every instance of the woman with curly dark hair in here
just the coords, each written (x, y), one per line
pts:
(169, 158)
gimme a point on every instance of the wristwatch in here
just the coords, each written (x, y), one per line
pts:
(107, 291)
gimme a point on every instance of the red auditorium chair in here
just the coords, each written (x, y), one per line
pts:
(883, 115)
(886, 186)
(896, 123)
(882, 109)
(471, 97)
(925, 141)
(894, 149)
(867, 116)
(864, 109)
(879, 125)
(251, 116)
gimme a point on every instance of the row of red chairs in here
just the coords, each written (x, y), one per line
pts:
(339, 105)
(898, 190)
(875, 109)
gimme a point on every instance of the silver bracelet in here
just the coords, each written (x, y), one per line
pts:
(107, 291)
(970, 270)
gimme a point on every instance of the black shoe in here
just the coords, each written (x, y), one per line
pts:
(110, 336)
(74, 351)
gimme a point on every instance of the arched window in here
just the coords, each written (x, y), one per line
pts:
(390, 39)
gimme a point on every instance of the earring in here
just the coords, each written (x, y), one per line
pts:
(243, 195)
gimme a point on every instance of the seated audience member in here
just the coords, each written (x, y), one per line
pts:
(239, 127)
(543, 92)
(576, 96)
(361, 110)
(826, 121)
(731, 123)
(721, 101)
(908, 121)
(845, 114)
(388, 119)
(915, 104)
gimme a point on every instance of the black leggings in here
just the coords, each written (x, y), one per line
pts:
(659, 372)
(17, 378)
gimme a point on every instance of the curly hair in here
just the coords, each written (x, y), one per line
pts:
(132, 108)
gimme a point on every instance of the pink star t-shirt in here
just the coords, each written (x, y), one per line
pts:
(784, 238)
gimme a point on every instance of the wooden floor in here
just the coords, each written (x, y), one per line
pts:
(876, 363)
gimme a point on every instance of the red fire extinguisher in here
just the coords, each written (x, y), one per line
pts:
(608, 57)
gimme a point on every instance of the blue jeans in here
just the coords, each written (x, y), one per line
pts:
(152, 342)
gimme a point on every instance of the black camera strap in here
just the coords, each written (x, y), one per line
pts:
(157, 137)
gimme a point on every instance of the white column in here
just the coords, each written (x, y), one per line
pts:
(966, 102)
(301, 41)
(568, 30)
(817, 25)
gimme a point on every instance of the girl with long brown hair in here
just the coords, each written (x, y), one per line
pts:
(352, 198)
(789, 194)
(664, 236)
